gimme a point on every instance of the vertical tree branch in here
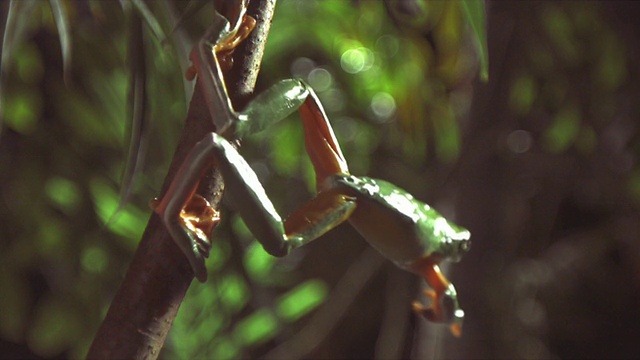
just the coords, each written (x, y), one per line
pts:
(143, 309)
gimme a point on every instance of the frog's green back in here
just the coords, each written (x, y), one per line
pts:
(401, 227)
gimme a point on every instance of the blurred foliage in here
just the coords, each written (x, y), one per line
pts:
(65, 94)
(541, 176)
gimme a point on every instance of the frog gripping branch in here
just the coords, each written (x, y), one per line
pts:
(408, 232)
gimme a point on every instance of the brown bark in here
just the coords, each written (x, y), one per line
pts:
(144, 307)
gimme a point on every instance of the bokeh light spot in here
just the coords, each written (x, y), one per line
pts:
(356, 60)
(519, 141)
(383, 105)
(320, 79)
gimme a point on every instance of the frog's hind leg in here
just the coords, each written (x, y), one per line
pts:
(322, 213)
(443, 307)
(320, 141)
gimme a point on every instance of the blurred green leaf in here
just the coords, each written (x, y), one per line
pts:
(286, 145)
(138, 109)
(22, 111)
(474, 11)
(64, 193)
(564, 129)
(64, 34)
(30, 68)
(193, 7)
(19, 17)
(129, 222)
(365, 141)
(94, 259)
(233, 291)
(149, 18)
(197, 328)
(240, 228)
(256, 328)
(560, 31)
(218, 255)
(301, 300)
(224, 349)
(54, 328)
(52, 237)
(258, 263)
(447, 134)
(611, 69)
(522, 94)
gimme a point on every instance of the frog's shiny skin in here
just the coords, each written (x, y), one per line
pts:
(418, 230)
(410, 233)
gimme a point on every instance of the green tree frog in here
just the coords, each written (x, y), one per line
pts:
(408, 232)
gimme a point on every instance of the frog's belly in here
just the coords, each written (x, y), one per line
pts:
(394, 237)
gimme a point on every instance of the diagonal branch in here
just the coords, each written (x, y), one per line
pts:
(143, 309)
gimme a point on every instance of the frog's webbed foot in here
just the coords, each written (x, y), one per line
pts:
(199, 218)
(444, 308)
(191, 231)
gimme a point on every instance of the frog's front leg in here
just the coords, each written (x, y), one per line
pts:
(321, 214)
(274, 104)
(253, 205)
(189, 217)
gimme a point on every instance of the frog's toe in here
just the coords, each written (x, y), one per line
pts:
(196, 247)
(443, 309)
(196, 259)
(431, 312)
(203, 246)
